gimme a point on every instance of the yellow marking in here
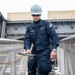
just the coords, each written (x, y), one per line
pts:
(26, 58)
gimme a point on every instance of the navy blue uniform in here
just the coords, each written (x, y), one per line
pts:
(44, 39)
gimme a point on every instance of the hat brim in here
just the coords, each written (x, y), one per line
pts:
(36, 13)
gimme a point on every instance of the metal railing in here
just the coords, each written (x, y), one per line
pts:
(15, 64)
(66, 56)
(10, 62)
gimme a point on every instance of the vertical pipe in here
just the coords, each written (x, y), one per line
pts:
(4, 67)
(70, 65)
(3, 29)
(13, 65)
(19, 72)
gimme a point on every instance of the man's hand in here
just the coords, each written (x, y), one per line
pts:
(28, 51)
(53, 55)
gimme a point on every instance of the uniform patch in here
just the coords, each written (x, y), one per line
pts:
(50, 25)
(32, 31)
(42, 28)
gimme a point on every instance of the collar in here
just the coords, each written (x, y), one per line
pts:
(39, 24)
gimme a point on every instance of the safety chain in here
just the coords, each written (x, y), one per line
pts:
(22, 55)
(12, 61)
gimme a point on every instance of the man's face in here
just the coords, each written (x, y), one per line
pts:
(36, 17)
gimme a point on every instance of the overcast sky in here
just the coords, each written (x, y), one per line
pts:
(7, 6)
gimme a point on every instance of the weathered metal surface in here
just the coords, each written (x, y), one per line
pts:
(66, 56)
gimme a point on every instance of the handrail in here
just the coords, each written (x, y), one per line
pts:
(3, 40)
(68, 39)
(10, 45)
(11, 48)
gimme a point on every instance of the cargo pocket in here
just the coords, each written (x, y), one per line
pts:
(31, 64)
(45, 66)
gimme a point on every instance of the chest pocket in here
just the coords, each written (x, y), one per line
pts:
(32, 34)
(42, 30)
